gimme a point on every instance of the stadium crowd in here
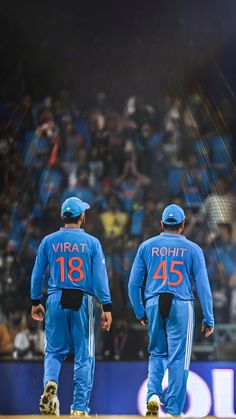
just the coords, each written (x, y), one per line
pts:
(128, 165)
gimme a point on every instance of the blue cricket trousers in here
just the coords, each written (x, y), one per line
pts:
(66, 329)
(170, 346)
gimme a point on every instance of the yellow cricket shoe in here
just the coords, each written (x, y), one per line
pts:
(153, 406)
(49, 403)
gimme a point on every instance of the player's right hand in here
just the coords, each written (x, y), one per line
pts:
(143, 321)
(106, 321)
(38, 312)
(207, 330)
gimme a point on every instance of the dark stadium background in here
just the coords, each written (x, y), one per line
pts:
(122, 47)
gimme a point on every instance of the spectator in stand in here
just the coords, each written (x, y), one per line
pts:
(102, 200)
(194, 183)
(39, 145)
(221, 154)
(99, 133)
(96, 169)
(149, 143)
(82, 190)
(50, 221)
(172, 128)
(11, 268)
(151, 219)
(219, 207)
(83, 132)
(145, 220)
(116, 140)
(114, 221)
(29, 343)
(136, 227)
(226, 249)
(131, 185)
(30, 244)
(71, 145)
(13, 324)
(52, 182)
(93, 223)
(174, 175)
(138, 113)
(102, 102)
(19, 220)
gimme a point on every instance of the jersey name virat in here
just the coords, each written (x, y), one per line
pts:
(69, 247)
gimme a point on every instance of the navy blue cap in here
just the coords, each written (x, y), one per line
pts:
(74, 206)
(173, 214)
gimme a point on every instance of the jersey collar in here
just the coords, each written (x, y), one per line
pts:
(71, 228)
(173, 234)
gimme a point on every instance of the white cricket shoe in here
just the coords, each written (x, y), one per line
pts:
(49, 403)
(153, 406)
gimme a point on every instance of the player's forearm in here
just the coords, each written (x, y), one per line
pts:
(206, 302)
(205, 298)
(36, 291)
(105, 301)
(135, 296)
(203, 288)
(37, 275)
(104, 297)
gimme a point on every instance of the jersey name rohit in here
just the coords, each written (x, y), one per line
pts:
(69, 247)
(168, 251)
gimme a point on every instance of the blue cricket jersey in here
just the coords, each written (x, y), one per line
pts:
(75, 260)
(170, 263)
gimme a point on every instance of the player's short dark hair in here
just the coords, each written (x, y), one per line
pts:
(172, 227)
(68, 219)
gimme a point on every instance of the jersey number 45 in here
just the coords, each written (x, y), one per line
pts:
(161, 272)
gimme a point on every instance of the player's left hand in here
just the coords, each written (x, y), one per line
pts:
(38, 312)
(207, 330)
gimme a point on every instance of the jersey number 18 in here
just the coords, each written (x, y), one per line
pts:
(74, 268)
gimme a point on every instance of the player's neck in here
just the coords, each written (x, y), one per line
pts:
(173, 231)
(74, 225)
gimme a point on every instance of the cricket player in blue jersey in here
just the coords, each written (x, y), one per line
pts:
(77, 275)
(170, 263)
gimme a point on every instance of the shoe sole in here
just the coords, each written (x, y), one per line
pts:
(152, 409)
(46, 405)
